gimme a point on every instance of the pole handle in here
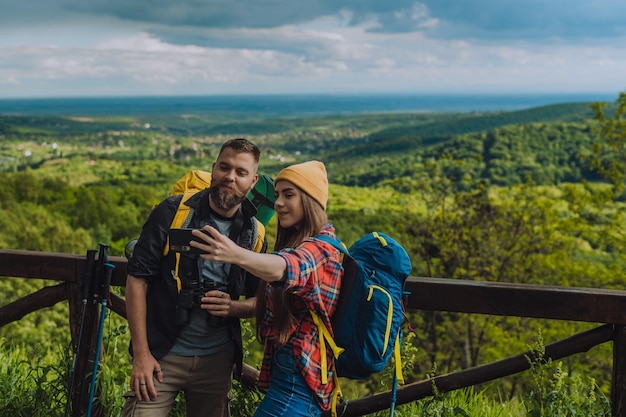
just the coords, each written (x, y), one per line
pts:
(103, 258)
(106, 280)
(90, 261)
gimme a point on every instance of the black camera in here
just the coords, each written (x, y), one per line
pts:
(191, 296)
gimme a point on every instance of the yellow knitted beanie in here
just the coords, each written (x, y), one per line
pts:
(310, 177)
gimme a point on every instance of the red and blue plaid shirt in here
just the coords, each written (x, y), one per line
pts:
(313, 275)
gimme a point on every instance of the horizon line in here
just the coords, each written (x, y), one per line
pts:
(327, 94)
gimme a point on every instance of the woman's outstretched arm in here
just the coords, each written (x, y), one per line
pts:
(220, 248)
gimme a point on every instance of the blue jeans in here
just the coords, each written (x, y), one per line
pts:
(289, 395)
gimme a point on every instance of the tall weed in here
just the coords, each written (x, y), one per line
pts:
(557, 394)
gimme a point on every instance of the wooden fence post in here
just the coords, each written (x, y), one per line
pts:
(618, 383)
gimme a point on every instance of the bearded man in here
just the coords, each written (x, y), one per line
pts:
(184, 327)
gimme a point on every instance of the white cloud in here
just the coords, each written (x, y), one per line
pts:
(402, 45)
(143, 42)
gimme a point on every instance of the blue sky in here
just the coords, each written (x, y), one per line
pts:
(70, 48)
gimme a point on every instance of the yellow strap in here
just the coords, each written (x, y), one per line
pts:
(389, 312)
(175, 272)
(336, 395)
(260, 236)
(398, 360)
(179, 218)
(325, 337)
(382, 240)
(323, 363)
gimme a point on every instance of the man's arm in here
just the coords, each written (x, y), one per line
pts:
(218, 303)
(136, 290)
(145, 366)
(243, 308)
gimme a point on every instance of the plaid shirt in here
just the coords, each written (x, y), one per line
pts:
(313, 275)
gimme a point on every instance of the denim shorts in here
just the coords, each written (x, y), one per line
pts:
(288, 395)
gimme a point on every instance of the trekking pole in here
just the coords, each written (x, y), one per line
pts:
(106, 281)
(394, 387)
(103, 257)
(86, 284)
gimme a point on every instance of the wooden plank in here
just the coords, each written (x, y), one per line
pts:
(45, 297)
(54, 266)
(117, 304)
(43, 265)
(522, 300)
(438, 294)
(249, 376)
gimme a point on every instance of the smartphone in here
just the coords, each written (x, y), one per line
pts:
(180, 238)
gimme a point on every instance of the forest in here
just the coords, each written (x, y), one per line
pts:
(532, 196)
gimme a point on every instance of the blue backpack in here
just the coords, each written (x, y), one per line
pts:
(366, 324)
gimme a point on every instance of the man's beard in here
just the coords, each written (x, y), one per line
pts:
(224, 200)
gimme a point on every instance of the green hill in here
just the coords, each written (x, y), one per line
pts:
(547, 153)
(542, 143)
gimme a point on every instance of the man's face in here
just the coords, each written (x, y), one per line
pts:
(233, 176)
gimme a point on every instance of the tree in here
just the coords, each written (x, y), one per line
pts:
(609, 150)
(608, 157)
(510, 234)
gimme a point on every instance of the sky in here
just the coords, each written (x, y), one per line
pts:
(87, 48)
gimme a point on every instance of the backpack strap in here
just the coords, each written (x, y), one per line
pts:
(260, 236)
(325, 337)
(258, 199)
(397, 358)
(340, 246)
(182, 218)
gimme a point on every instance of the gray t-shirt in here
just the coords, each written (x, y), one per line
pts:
(206, 334)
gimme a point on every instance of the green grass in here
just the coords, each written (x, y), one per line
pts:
(33, 383)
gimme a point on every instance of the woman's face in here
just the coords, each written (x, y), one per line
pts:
(288, 204)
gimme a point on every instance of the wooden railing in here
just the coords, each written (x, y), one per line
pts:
(434, 294)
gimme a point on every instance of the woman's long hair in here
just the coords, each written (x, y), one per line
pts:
(314, 219)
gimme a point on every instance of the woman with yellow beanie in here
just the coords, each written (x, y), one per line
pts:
(302, 274)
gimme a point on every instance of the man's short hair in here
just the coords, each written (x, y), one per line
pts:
(240, 145)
